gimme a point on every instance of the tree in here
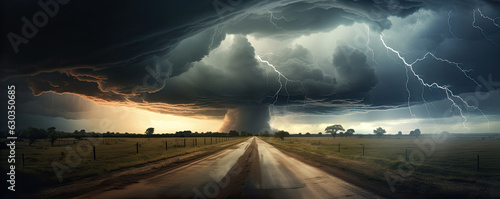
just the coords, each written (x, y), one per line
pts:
(281, 134)
(400, 133)
(417, 132)
(341, 134)
(300, 134)
(52, 135)
(320, 134)
(333, 129)
(308, 134)
(233, 133)
(349, 132)
(51, 130)
(267, 134)
(379, 131)
(34, 134)
(245, 133)
(78, 134)
(149, 132)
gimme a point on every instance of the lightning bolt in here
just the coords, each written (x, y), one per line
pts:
(481, 29)
(389, 55)
(427, 105)
(453, 98)
(368, 48)
(272, 17)
(449, 25)
(217, 30)
(409, 94)
(489, 18)
(280, 77)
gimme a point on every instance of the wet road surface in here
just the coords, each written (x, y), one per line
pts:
(251, 169)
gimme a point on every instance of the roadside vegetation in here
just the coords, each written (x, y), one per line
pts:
(415, 163)
(43, 153)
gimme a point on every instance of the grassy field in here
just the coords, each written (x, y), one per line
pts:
(111, 154)
(449, 166)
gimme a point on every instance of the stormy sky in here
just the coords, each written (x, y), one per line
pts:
(253, 65)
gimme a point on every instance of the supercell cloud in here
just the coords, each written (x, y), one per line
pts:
(198, 58)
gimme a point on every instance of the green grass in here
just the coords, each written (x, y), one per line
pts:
(450, 167)
(111, 154)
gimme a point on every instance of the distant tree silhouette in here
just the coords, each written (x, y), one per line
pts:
(333, 129)
(341, 134)
(415, 133)
(281, 134)
(400, 133)
(267, 134)
(349, 132)
(79, 134)
(234, 133)
(52, 135)
(379, 131)
(34, 134)
(245, 133)
(320, 134)
(149, 132)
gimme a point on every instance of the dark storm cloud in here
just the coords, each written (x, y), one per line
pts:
(428, 31)
(96, 33)
(296, 64)
(152, 51)
(193, 49)
(237, 84)
(351, 66)
(44, 104)
(117, 40)
(62, 83)
(238, 80)
(303, 18)
(100, 35)
(326, 94)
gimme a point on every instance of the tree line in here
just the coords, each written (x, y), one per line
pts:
(333, 129)
(32, 134)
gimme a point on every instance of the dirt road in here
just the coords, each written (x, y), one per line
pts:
(251, 169)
